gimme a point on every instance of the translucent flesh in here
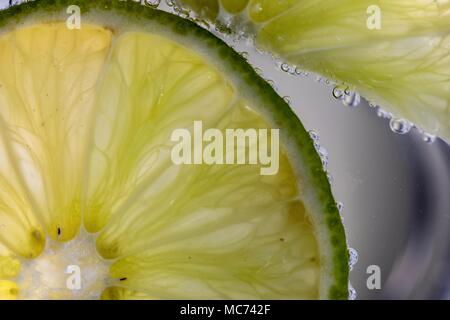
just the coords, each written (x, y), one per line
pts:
(88, 122)
(234, 6)
(404, 66)
(48, 76)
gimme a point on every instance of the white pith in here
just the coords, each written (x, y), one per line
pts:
(53, 274)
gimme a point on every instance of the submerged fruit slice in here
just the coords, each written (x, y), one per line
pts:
(395, 53)
(87, 120)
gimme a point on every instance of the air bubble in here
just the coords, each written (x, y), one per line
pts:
(245, 55)
(152, 3)
(292, 70)
(330, 177)
(353, 258)
(314, 135)
(184, 13)
(285, 67)
(429, 138)
(259, 71)
(384, 114)
(340, 207)
(202, 23)
(298, 71)
(351, 99)
(323, 153)
(272, 84)
(351, 292)
(348, 97)
(288, 100)
(15, 2)
(400, 126)
(338, 92)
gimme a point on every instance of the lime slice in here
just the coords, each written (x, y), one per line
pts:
(89, 185)
(395, 53)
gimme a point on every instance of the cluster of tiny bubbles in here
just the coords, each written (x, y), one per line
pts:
(287, 99)
(400, 126)
(351, 292)
(292, 70)
(176, 8)
(353, 258)
(323, 80)
(314, 135)
(426, 137)
(384, 114)
(330, 177)
(226, 25)
(202, 23)
(183, 13)
(323, 153)
(348, 97)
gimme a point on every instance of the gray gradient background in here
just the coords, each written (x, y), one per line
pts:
(395, 188)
